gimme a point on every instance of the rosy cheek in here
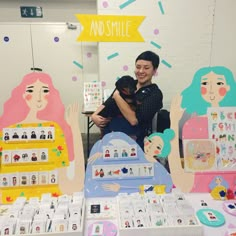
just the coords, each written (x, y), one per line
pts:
(28, 97)
(46, 97)
(146, 144)
(203, 90)
(222, 91)
(157, 152)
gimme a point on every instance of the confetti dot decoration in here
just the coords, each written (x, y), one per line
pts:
(125, 67)
(74, 78)
(89, 54)
(156, 31)
(56, 39)
(105, 4)
(6, 39)
(103, 83)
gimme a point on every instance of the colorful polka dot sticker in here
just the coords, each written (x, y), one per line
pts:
(210, 217)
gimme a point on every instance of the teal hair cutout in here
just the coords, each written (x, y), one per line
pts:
(166, 137)
(193, 93)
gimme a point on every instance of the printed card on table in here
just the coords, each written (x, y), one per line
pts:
(222, 128)
(92, 95)
(199, 155)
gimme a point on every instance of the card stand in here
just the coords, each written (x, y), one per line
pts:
(78, 232)
(164, 230)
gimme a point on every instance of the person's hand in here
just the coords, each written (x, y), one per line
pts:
(94, 157)
(72, 115)
(111, 187)
(100, 121)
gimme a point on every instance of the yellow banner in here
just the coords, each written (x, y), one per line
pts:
(110, 28)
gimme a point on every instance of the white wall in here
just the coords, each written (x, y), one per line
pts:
(31, 44)
(53, 10)
(192, 34)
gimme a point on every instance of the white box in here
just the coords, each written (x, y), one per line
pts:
(167, 230)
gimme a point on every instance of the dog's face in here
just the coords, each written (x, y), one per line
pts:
(126, 85)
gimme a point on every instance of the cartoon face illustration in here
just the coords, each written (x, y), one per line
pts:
(36, 95)
(213, 87)
(154, 146)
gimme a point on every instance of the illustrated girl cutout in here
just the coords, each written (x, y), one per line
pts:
(35, 102)
(210, 87)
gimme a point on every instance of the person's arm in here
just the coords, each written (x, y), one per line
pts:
(98, 120)
(125, 109)
(182, 180)
(74, 174)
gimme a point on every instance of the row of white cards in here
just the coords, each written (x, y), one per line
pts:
(28, 178)
(31, 133)
(123, 171)
(154, 210)
(24, 156)
(37, 216)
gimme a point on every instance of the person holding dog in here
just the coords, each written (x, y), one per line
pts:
(148, 101)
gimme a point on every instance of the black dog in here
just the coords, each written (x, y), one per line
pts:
(126, 86)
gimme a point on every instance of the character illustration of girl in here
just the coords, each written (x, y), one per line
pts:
(210, 87)
(108, 187)
(36, 103)
(218, 188)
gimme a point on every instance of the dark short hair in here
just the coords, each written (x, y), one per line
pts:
(149, 56)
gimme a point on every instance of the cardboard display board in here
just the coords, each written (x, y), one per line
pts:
(39, 142)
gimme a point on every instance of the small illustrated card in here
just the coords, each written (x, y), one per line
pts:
(53, 177)
(24, 134)
(221, 128)
(38, 226)
(14, 179)
(22, 227)
(59, 225)
(92, 95)
(43, 177)
(6, 157)
(43, 155)
(34, 179)
(100, 209)
(24, 178)
(6, 134)
(199, 155)
(4, 180)
(97, 229)
(25, 155)
(16, 156)
(127, 222)
(74, 225)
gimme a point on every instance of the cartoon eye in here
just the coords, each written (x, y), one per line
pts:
(220, 83)
(204, 83)
(46, 91)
